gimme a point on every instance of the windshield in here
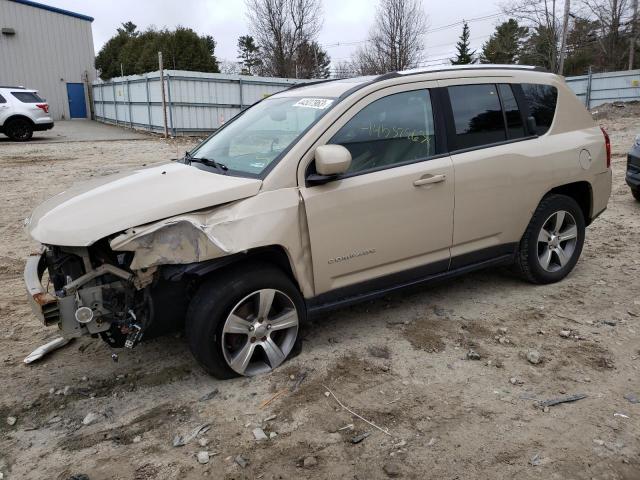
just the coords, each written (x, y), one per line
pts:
(254, 140)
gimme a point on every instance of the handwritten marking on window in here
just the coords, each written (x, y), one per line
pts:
(379, 130)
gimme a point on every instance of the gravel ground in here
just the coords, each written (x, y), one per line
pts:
(400, 362)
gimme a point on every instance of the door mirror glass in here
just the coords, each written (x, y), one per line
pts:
(332, 159)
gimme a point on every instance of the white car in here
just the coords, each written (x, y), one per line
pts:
(23, 112)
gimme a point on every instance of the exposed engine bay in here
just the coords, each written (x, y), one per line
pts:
(92, 291)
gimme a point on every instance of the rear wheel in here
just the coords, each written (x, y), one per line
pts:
(19, 129)
(245, 322)
(636, 193)
(552, 243)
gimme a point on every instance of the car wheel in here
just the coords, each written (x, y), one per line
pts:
(636, 193)
(19, 130)
(245, 321)
(552, 243)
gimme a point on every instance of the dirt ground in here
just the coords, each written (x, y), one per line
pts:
(400, 362)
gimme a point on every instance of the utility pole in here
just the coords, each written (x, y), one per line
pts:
(634, 34)
(164, 103)
(563, 43)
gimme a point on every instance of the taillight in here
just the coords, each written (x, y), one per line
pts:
(43, 106)
(607, 146)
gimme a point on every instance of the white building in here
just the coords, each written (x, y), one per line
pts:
(50, 50)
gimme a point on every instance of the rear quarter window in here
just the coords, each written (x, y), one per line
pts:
(2, 100)
(541, 100)
(27, 97)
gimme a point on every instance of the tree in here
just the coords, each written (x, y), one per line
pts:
(137, 52)
(583, 33)
(249, 55)
(464, 55)
(541, 48)
(395, 41)
(612, 17)
(312, 61)
(505, 44)
(108, 61)
(281, 28)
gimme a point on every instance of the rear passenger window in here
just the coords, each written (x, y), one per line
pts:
(395, 129)
(477, 115)
(2, 100)
(541, 100)
(515, 127)
(27, 97)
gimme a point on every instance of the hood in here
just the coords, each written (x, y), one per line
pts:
(90, 211)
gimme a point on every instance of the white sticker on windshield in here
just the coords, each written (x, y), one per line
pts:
(319, 103)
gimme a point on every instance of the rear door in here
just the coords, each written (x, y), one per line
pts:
(498, 177)
(390, 218)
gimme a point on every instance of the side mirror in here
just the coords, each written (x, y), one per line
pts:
(532, 127)
(332, 160)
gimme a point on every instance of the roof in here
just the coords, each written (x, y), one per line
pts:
(54, 9)
(345, 86)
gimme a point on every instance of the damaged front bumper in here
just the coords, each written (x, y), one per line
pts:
(79, 307)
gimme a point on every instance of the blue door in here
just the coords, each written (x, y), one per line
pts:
(77, 107)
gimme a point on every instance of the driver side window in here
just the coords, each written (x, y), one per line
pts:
(392, 130)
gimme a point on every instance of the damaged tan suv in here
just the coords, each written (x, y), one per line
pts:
(320, 196)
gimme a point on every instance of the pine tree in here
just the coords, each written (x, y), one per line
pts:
(464, 55)
(505, 44)
(249, 55)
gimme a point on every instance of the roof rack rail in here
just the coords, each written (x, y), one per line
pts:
(316, 82)
(453, 68)
(20, 87)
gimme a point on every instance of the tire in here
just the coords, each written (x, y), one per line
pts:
(544, 256)
(636, 193)
(19, 130)
(216, 339)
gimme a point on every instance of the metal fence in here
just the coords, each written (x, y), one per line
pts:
(597, 88)
(195, 102)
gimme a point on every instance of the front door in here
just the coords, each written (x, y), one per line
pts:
(391, 215)
(77, 105)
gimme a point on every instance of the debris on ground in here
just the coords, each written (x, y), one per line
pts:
(11, 421)
(386, 432)
(632, 398)
(565, 333)
(309, 462)
(203, 457)
(209, 395)
(240, 460)
(557, 401)
(392, 469)
(49, 347)
(259, 434)
(473, 355)
(359, 438)
(181, 440)
(90, 418)
(534, 357)
(621, 415)
(535, 460)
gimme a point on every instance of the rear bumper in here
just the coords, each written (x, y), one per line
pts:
(38, 127)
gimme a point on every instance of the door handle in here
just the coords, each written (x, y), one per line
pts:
(429, 179)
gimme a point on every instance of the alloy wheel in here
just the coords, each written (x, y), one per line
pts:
(260, 332)
(557, 241)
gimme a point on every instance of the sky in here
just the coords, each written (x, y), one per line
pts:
(346, 22)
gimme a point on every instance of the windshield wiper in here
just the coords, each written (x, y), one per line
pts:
(209, 162)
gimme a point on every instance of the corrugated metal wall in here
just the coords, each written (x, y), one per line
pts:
(48, 51)
(599, 88)
(196, 102)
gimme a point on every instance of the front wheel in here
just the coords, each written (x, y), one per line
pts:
(245, 321)
(19, 130)
(552, 243)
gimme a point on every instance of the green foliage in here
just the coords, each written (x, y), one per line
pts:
(540, 48)
(464, 54)
(249, 55)
(137, 52)
(504, 46)
(313, 61)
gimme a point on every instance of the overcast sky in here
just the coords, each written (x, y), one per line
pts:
(345, 21)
